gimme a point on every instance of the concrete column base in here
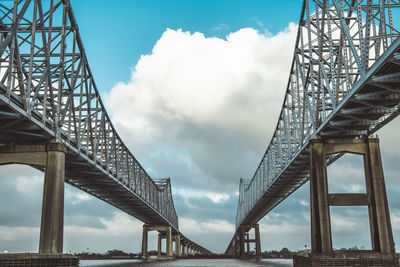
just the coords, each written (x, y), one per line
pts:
(348, 258)
(43, 260)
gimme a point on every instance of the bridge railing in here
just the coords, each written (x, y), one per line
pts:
(45, 76)
(337, 43)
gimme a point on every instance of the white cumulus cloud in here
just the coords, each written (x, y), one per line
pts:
(206, 105)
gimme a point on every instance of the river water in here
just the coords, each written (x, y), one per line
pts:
(189, 263)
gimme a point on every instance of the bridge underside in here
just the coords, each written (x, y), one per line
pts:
(373, 102)
(80, 170)
(381, 91)
(80, 173)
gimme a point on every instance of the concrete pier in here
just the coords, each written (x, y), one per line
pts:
(242, 244)
(52, 224)
(177, 239)
(145, 235)
(159, 245)
(375, 198)
(183, 250)
(164, 232)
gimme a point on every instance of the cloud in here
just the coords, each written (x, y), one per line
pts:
(21, 189)
(221, 27)
(29, 184)
(193, 193)
(200, 109)
(119, 231)
(194, 226)
(350, 181)
(214, 234)
(288, 234)
(19, 238)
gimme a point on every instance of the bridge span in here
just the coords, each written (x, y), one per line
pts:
(52, 118)
(343, 86)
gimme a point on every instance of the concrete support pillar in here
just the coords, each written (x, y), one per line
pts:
(173, 246)
(169, 242)
(321, 238)
(178, 245)
(381, 229)
(247, 243)
(237, 246)
(241, 240)
(164, 232)
(182, 250)
(144, 241)
(159, 245)
(258, 240)
(375, 198)
(52, 223)
(52, 158)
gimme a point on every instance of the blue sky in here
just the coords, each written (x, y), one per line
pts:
(116, 35)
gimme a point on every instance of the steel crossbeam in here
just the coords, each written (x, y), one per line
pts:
(48, 94)
(344, 82)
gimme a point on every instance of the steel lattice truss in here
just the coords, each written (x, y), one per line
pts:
(344, 82)
(47, 93)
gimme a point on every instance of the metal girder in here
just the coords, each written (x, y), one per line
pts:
(344, 81)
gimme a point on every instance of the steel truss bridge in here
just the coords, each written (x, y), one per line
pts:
(48, 94)
(344, 82)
